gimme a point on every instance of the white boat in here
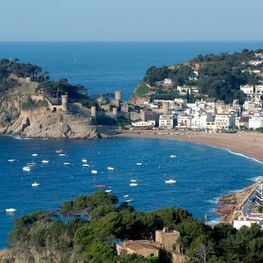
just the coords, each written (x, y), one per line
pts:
(128, 200)
(172, 156)
(45, 161)
(133, 184)
(125, 196)
(26, 168)
(138, 164)
(170, 181)
(85, 165)
(109, 168)
(66, 164)
(34, 154)
(108, 191)
(10, 210)
(94, 171)
(133, 181)
(35, 184)
(84, 160)
(59, 151)
(62, 154)
(11, 160)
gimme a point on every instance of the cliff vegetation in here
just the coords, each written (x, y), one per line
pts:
(87, 229)
(215, 76)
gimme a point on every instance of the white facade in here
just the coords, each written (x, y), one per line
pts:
(256, 121)
(184, 121)
(247, 89)
(224, 121)
(166, 121)
(199, 121)
(143, 124)
(237, 224)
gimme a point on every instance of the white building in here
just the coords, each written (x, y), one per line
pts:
(247, 221)
(184, 121)
(224, 122)
(247, 89)
(166, 121)
(256, 121)
(144, 124)
(200, 120)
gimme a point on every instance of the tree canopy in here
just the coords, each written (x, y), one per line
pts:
(88, 228)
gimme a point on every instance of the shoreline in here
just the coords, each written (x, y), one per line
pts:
(245, 144)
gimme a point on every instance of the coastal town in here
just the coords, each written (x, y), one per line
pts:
(204, 115)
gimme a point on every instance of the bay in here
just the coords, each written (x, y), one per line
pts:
(202, 173)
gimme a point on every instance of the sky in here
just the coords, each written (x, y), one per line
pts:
(131, 20)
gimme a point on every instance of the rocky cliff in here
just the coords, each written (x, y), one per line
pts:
(23, 113)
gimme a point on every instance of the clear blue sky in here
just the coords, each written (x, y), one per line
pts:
(130, 20)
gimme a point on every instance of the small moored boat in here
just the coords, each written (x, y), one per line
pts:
(172, 156)
(133, 181)
(109, 168)
(34, 154)
(11, 160)
(45, 161)
(108, 191)
(170, 181)
(133, 184)
(84, 160)
(10, 210)
(35, 184)
(26, 168)
(94, 171)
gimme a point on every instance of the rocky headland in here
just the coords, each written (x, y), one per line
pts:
(26, 110)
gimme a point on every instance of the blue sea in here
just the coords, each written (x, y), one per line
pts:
(202, 173)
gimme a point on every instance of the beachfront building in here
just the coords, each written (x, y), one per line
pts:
(242, 122)
(144, 124)
(166, 121)
(200, 119)
(224, 122)
(256, 121)
(184, 121)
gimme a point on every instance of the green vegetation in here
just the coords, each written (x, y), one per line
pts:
(217, 76)
(86, 229)
(180, 75)
(141, 91)
(103, 119)
(52, 89)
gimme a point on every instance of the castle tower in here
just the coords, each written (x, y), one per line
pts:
(64, 102)
(165, 107)
(118, 95)
(93, 111)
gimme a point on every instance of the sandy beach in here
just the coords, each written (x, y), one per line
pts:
(247, 143)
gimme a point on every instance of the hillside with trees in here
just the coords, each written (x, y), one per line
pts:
(87, 229)
(216, 76)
